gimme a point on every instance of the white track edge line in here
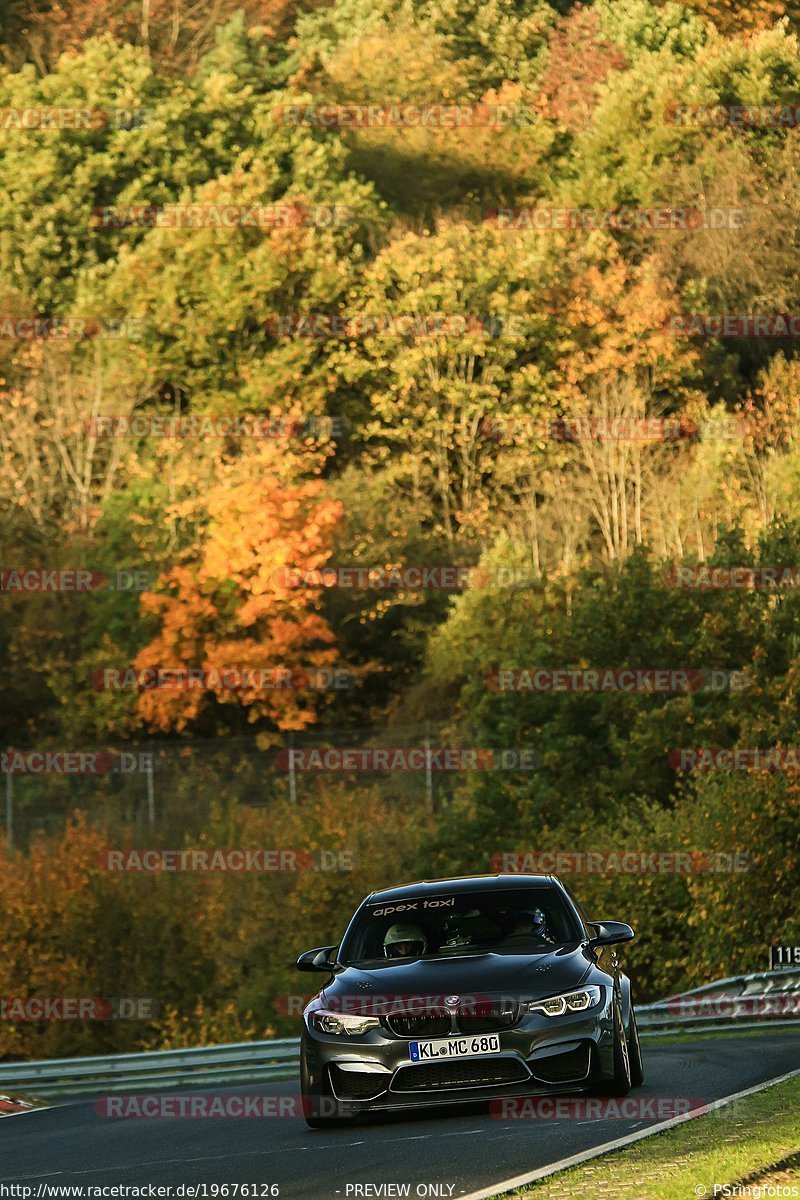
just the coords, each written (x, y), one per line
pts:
(26, 1112)
(507, 1185)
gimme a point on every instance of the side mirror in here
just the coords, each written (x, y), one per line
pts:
(610, 933)
(321, 959)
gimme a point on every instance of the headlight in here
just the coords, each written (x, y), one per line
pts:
(339, 1023)
(556, 1006)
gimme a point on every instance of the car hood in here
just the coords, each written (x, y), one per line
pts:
(519, 975)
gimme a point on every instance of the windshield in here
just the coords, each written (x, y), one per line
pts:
(516, 921)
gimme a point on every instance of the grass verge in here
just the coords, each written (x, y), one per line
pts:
(742, 1139)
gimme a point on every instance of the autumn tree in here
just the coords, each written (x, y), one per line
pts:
(57, 470)
(229, 600)
(460, 336)
(767, 424)
(174, 35)
(579, 59)
(741, 19)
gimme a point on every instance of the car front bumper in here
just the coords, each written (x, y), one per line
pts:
(538, 1056)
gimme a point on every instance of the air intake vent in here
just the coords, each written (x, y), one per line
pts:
(477, 1072)
(357, 1085)
(570, 1067)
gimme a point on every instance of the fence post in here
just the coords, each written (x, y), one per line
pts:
(9, 810)
(428, 771)
(292, 776)
(151, 795)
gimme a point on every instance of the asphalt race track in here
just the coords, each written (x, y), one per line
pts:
(458, 1151)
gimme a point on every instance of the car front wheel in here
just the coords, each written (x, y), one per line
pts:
(620, 1083)
(635, 1052)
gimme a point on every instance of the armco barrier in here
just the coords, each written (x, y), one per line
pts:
(723, 1005)
(767, 1000)
(240, 1062)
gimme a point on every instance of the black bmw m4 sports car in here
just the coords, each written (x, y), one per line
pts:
(465, 990)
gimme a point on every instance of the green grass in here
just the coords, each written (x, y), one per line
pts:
(721, 1147)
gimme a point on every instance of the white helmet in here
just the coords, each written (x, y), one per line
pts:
(404, 941)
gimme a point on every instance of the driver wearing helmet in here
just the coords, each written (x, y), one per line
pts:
(404, 941)
(528, 923)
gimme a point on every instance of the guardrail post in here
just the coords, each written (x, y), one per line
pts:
(428, 771)
(292, 776)
(151, 795)
(9, 811)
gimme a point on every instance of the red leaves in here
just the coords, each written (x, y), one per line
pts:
(580, 59)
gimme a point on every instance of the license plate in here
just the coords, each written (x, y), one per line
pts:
(461, 1047)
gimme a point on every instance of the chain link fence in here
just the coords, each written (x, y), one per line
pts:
(170, 788)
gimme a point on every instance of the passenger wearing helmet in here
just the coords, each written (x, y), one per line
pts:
(404, 941)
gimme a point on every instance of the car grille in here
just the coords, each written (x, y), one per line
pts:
(569, 1067)
(434, 1022)
(484, 1016)
(356, 1085)
(479, 1016)
(478, 1072)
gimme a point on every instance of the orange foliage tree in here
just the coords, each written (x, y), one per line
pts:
(229, 603)
(734, 19)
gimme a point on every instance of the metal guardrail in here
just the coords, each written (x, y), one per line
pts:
(733, 1003)
(239, 1062)
(726, 1004)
